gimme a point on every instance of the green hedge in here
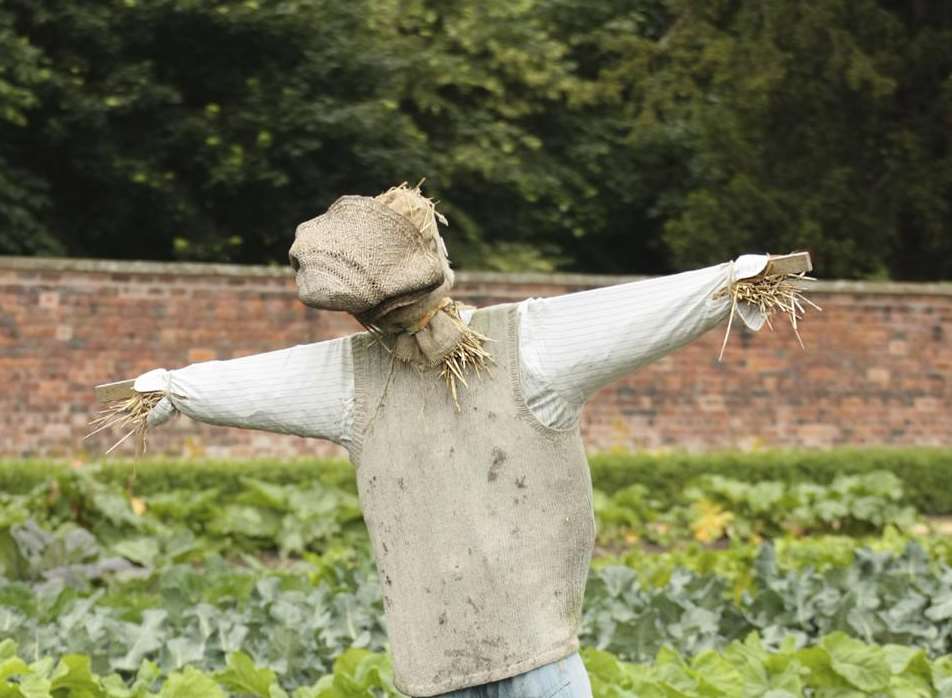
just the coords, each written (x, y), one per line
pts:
(926, 473)
(159, 475)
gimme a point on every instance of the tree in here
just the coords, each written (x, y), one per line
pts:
(627, 136)
(200, 130)
(820, 125)
(24, 198)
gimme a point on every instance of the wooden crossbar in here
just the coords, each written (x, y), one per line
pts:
(118, 390)
(793, 263)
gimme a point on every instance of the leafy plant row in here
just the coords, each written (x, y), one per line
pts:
(736, 562)
(880, 597)
(299, 619)
(714, 507)
(296, 621)
(836, 665)
(77, 518)
(357, 673)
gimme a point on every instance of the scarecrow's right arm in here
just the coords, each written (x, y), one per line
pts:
(301, 390)
(574, 344)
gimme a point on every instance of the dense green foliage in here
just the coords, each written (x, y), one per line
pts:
(737, 562)
(881, 597)
(73, 518)
(923, 472)
(295, 622)
(239, 586)
(610, 135)
(122, 580)
(713, 508)
(836, 666)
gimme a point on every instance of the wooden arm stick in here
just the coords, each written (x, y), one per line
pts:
(118, 390)
(794, 263)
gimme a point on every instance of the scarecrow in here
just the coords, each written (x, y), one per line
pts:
(463, 427)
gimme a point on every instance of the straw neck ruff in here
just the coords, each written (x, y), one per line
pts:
(439, 339)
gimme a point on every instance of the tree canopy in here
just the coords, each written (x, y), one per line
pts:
(619, 136)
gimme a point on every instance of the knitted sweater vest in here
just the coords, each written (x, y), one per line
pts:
(481, 521)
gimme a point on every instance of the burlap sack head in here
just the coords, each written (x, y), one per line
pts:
(364, 257)
(383, 261)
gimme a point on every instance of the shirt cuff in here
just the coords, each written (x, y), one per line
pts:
(156, 380)
(746, 266)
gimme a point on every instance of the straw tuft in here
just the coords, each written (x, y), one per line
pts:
(129, 415)
(771, 294)
(469, 354)
(413, 205)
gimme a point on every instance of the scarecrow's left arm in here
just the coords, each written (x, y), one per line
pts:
(303, 390)
(574, 344)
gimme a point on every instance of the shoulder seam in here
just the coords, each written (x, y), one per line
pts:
(515, 368)
(359, 354)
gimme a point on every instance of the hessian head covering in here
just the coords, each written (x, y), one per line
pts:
(382, 260)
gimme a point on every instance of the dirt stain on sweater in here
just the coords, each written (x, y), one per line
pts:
(499, 459)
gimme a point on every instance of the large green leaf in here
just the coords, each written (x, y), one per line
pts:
(190, 684)
(139, 640)
(12, 666)
(74, 674)
(863, 666)
(716, 673)
(243, 676)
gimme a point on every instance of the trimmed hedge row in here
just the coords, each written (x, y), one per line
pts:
(152, 475)
(926, 473)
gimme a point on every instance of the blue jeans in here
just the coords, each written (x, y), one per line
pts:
(563, 678)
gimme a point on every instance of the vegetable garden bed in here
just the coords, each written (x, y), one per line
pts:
(249, 587)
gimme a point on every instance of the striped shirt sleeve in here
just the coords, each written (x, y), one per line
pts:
(574, 344)
(305, 390)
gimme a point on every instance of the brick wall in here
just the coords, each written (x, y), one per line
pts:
(877, 370)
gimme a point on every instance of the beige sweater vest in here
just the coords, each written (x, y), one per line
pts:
(481, 521)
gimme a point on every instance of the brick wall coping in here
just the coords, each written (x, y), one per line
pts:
(109, 266)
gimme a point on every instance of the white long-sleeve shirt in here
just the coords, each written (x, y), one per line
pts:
(570, 346)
